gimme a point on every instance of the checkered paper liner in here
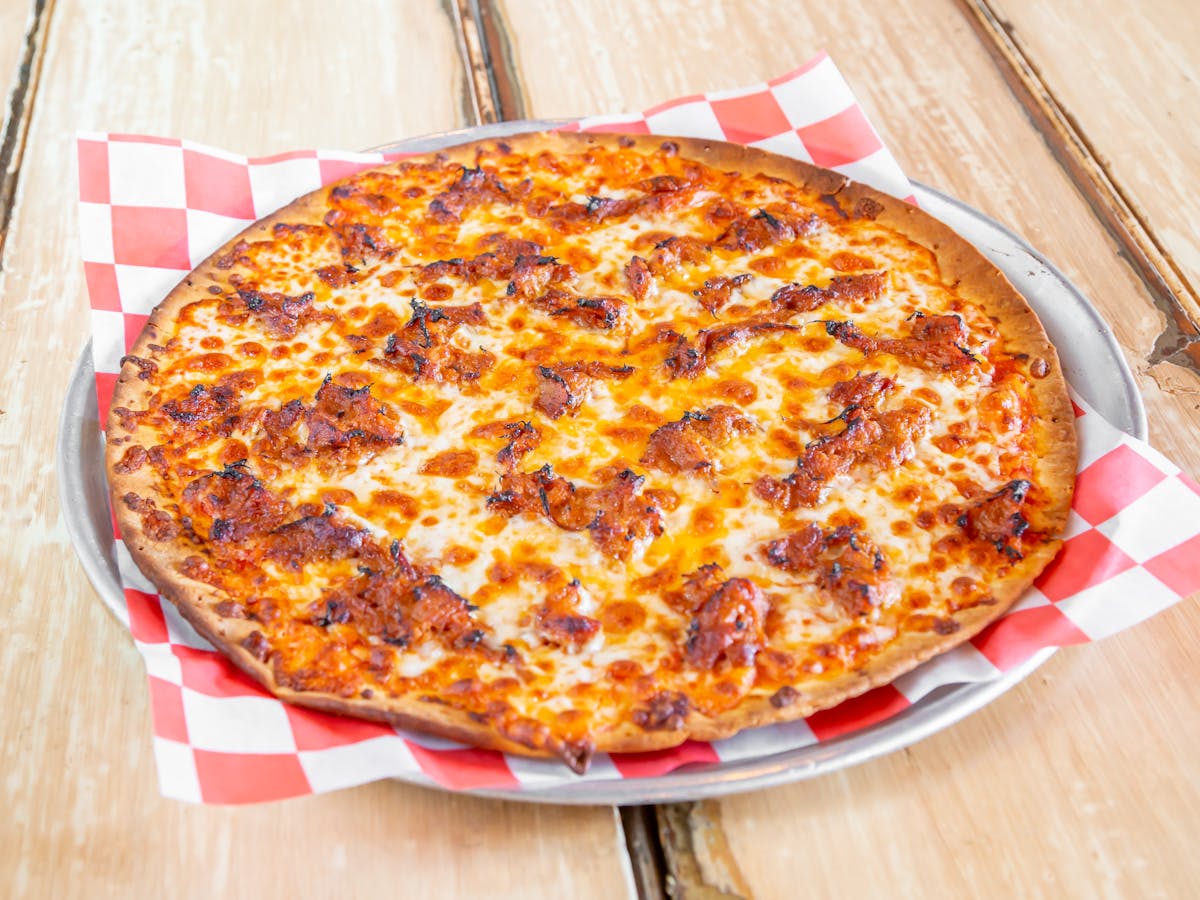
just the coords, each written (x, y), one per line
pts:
(153, 208)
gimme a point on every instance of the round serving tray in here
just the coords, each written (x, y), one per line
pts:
(1090, 357)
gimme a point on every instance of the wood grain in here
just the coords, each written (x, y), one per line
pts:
(82, 812)
(1114, 202)
(1082, 781)
(1132, 86)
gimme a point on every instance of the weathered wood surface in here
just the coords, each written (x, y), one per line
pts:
(82, 812)
(1082, 781)
(1131, 84)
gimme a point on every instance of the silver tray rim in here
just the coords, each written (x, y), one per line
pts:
(1091, 359)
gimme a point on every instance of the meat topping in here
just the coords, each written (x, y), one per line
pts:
(727, 619)
(560, 622)
(312, 538)
(806, 298)
(883, 440)
(998, 520)
(495, 263)
(586, 312)
(935, 342)
(846, 563)
(400, 608)
(641, 281)
(687, 444)
(234, 502)
(762, 229)
(687, 359)
(669, 254)
(563, 387)
(531, 275)
(523, 437)
(202, 405)
(665, 711)
(474, 187)
(442, 362)
(616, 513)
(350, 417)
(434, 324)
(861, 390)
(156, 523)
(716, 292)
(280, 314)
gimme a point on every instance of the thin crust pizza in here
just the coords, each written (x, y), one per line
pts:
(574, 443)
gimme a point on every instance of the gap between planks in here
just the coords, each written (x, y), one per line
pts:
(20, 108)
(1173, 294)
(487, 54)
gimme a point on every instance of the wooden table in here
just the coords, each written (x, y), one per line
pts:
(1077, 124)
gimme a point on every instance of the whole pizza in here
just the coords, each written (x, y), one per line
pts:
(574, 443)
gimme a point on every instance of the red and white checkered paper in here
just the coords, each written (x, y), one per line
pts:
(152, 208)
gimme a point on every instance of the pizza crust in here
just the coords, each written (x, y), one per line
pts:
(958, 261)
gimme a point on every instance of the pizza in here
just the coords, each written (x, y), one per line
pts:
(573, 443)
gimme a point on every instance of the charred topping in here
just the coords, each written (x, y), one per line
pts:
(234, 502)
(423, 349)
(665, 711)
(615, 513)
(784, 697)
(845, 563)
(672, 252)
(882, 440)
(157, 524)
(203, 406)
(522, 438)
(727, 619)
(146, 368)
(845, 288)
(687, 360)
(762, 229)
(282, 315)
(559, 622)
(716, 292)
(997, 519)
(935, 342)
(563, 387)
(831, 201)
(313, 538)
(687, 444)
(639, 277)
(422, 315)
(587, 312)
(531, 275)
(474, 187)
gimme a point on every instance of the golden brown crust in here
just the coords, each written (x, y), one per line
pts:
(959, 262)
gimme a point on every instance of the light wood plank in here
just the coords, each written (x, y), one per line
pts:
(1083, 780)
(1129, 76)
(82, 814)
